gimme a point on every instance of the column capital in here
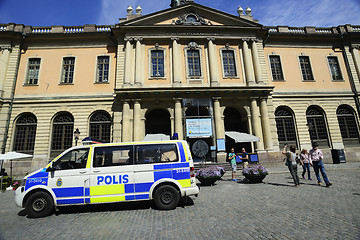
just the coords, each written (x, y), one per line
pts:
(138, 39)
(3, 48)
(177, 99)
(174, 38)
(210, 39)
(357, 47)
(128, 39)
(216, 98)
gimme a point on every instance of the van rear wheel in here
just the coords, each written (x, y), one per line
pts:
(166, 197)
(39, 204)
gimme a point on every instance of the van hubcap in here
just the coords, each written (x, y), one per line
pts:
(39, 204)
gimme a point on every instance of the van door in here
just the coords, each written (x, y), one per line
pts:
(70, 177)
(112, 174)
(152, 163)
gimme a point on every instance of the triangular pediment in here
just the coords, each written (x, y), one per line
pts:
(191, 14)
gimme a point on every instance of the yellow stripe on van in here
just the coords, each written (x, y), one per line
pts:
(116, 189)
(185, 183)
(107, 199)
(88, 163)
(186, 152)
(98, 190)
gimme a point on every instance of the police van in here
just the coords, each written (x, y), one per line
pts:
(104, 173)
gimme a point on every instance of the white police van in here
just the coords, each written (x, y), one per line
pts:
(162, 171)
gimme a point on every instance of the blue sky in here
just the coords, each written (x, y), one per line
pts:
(297, 13)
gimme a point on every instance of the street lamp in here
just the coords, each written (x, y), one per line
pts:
(76, 134)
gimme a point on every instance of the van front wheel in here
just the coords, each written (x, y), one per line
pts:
(166, 197)
(39, 204)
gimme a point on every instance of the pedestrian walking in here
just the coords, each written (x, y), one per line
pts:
(291, 163)
(244, 157)
(316, 156)
(232, 159)
(304, 157)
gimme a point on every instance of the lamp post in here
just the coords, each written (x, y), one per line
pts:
(76, 134)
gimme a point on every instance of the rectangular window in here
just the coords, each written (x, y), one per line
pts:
(193, 57)
(306, 68)
(276, 69)
(157, 63)
(68, 70)
(113, 156)
(162, 153)
(229, 63)
(335, 68)
(33, 71)
(102, 74)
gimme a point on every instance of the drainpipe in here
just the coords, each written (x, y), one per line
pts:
(12, 97)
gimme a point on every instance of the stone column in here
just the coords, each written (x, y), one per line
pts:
(137, 121)
(249, 71)
(256, 61)
(213, 62)
(219, 127)
(179, 119)
(266, 124)
(176, 61)
(4, 62)
(356, 56)
(256, 124)
(138, 63)
(128, 48)
(126, 126)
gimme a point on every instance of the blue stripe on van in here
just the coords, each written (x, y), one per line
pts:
(143, 187)
(69, 192)
(70, 201)
(171, 165)
(181, 174)
(87, 200)
(129, 188)
(162, 174)
(182, 152)
(87, 191)
(130, 197)
(142, 197)
(41, 174)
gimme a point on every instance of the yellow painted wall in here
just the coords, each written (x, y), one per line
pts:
(51, 67)
(319, 64)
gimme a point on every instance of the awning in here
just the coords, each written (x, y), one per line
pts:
(242, 137)
(156, 137)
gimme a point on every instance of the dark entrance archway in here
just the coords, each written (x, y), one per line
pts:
(158, 121)
(237, 122)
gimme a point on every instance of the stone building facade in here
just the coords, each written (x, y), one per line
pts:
(189, 70)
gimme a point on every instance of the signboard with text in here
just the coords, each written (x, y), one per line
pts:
(200, 127)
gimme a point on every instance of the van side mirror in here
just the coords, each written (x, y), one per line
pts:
(50, 169)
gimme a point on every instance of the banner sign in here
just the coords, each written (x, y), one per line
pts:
(200, 127)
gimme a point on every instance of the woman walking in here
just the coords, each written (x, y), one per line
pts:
(292, 164)
(304, 157)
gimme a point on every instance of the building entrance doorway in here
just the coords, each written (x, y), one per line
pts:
(158, 121)
(236, 121)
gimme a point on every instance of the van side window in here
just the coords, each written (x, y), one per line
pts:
(113, 156)
(161, 153)
(74, 159)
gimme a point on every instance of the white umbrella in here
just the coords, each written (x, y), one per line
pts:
(12, 155)
(156, 137)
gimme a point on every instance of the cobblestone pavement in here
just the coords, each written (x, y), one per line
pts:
(228, 210)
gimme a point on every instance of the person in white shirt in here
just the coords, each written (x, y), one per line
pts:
(316, 156)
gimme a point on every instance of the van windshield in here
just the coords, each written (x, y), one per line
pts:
(74, 159)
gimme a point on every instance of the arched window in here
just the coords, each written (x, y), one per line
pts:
(25, 131)
(285, 126)
(100, 125)
(158, 121)
(317, 126)
(348, 127)
(63, 128)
